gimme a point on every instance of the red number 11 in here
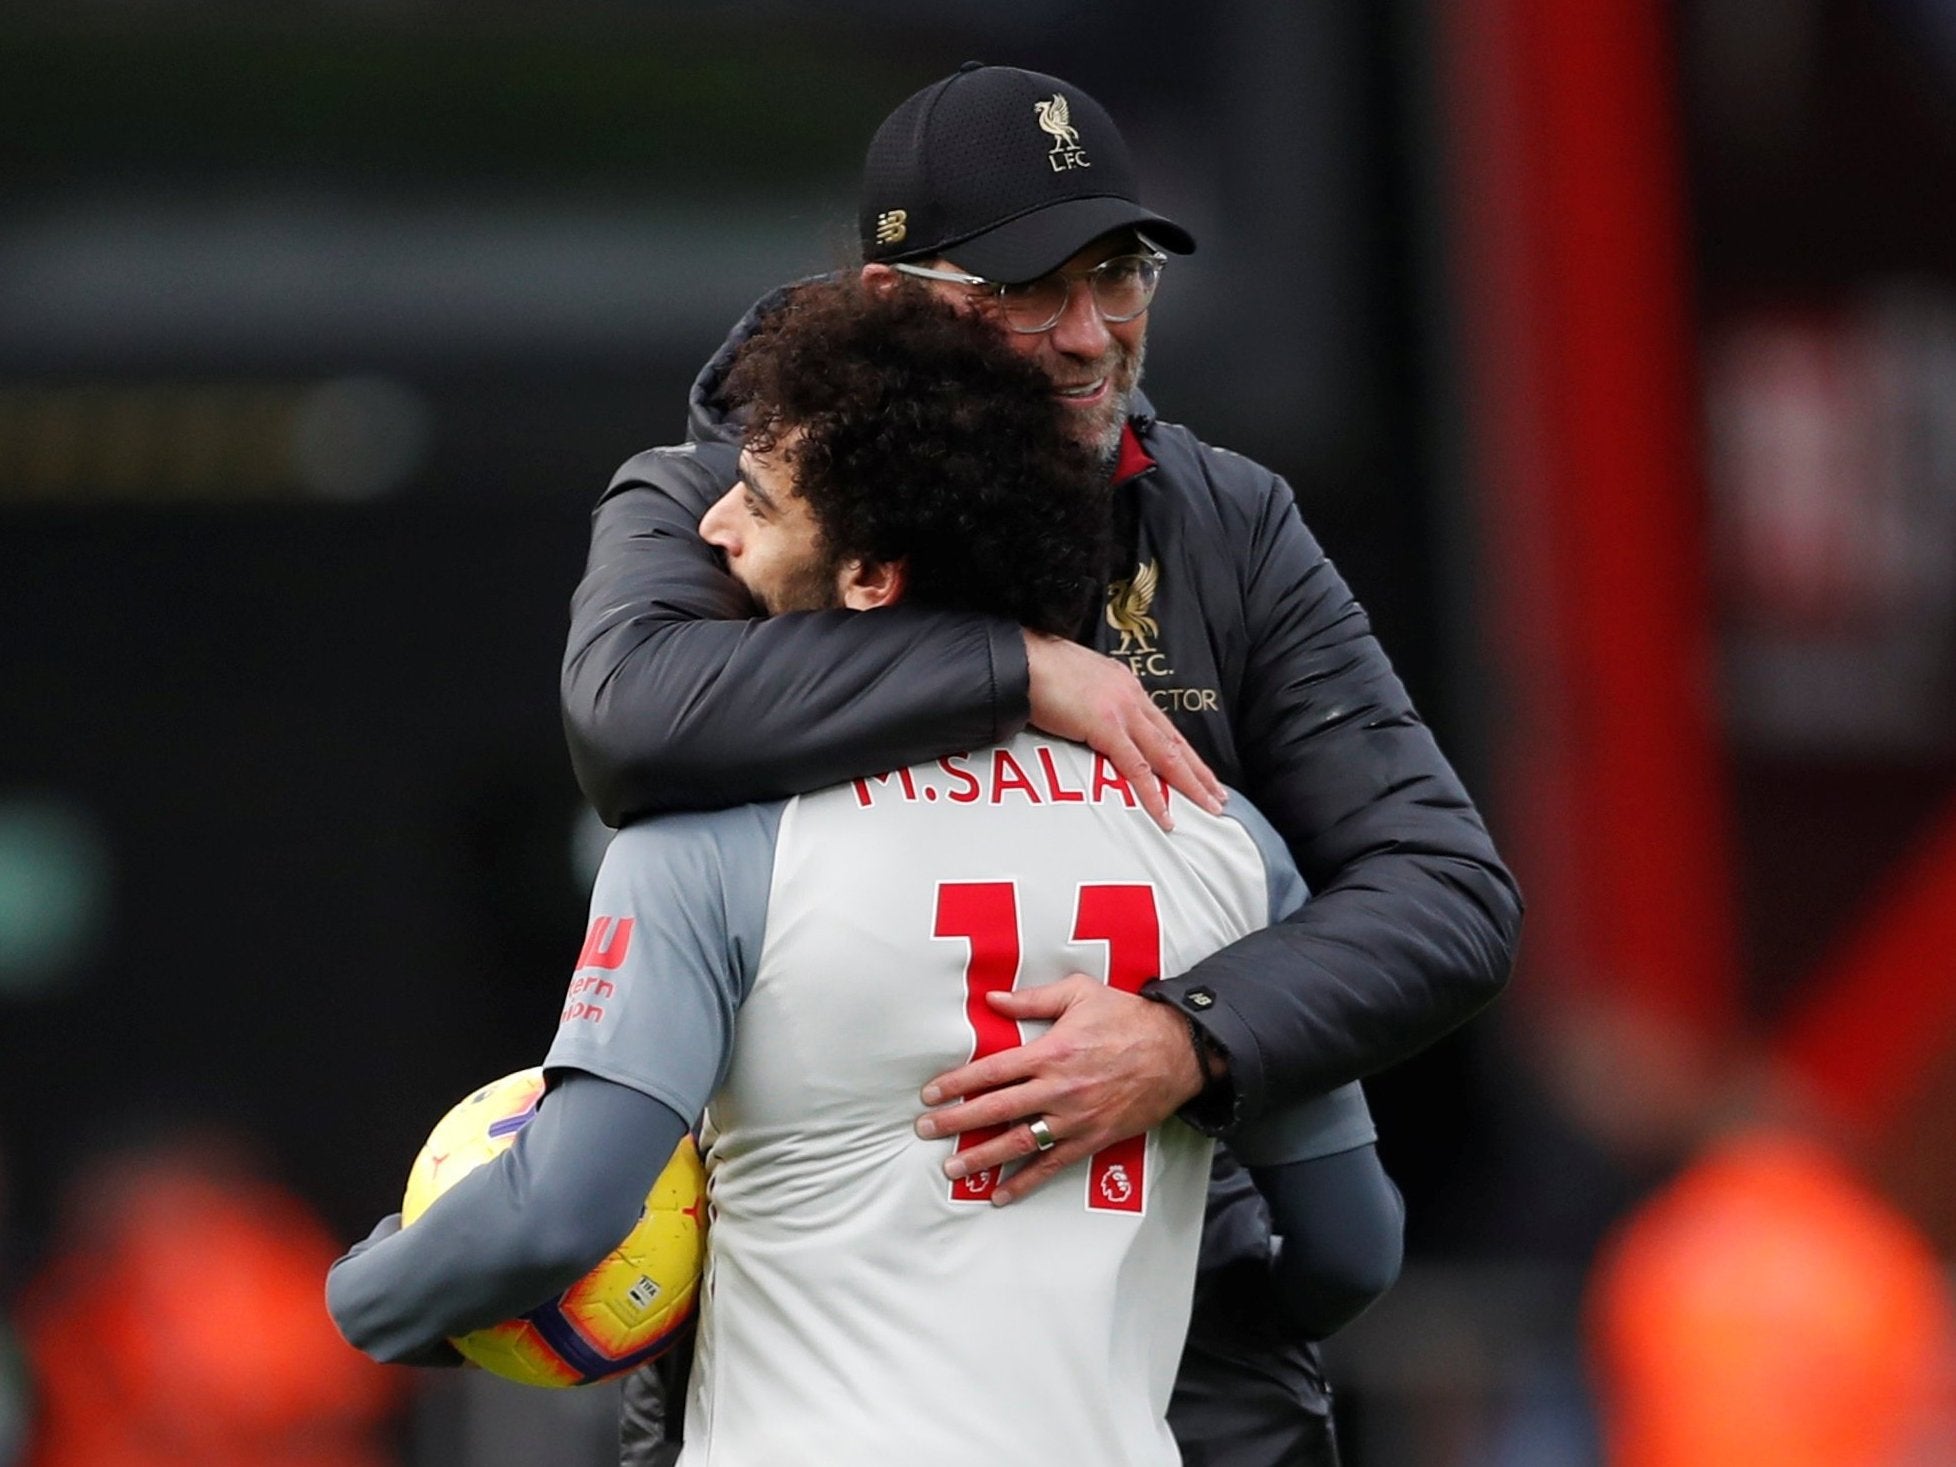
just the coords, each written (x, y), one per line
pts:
(986, 915)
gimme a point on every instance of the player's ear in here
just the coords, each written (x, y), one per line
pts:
(867, 584)
(879, 279)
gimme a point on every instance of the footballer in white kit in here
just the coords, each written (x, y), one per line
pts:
(790, 974)
(800, 970)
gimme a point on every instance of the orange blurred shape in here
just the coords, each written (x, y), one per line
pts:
(187, 1324)
(1766, 1309)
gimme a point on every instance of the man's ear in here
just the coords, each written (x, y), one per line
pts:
(879, 279)
(867, 584)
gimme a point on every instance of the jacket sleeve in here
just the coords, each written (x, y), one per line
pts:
(1412, 921)
(676, 696)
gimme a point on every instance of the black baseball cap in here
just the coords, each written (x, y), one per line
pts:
(1008, 172)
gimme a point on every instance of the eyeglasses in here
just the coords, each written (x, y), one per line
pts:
(1122, 289)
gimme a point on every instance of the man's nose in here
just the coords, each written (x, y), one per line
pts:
(1080, 332)
(717, 524)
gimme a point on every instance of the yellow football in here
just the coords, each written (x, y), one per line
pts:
(627, 1310)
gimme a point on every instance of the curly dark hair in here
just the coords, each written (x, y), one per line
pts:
(926, 439)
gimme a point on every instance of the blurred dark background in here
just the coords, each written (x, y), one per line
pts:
(1613, 359)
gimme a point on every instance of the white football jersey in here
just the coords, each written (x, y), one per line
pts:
(802, 969)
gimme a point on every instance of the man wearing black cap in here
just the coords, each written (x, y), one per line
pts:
(1229, 642)
(1023, 181)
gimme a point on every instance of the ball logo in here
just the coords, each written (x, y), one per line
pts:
(1115, 1184)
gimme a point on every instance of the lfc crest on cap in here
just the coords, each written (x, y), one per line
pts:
(1055, 118)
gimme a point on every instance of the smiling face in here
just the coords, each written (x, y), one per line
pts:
(1093, 364)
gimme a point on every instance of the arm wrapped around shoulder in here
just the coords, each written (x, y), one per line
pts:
(678, 696)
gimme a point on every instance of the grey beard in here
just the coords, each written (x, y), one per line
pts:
(1108, 446)
(1109, 442)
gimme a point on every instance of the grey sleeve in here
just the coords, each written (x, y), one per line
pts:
(514, 1232)
(1322, 1125)
(678, 914)
(1340, 1220)
(1343, 1229)
(1280, 873)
